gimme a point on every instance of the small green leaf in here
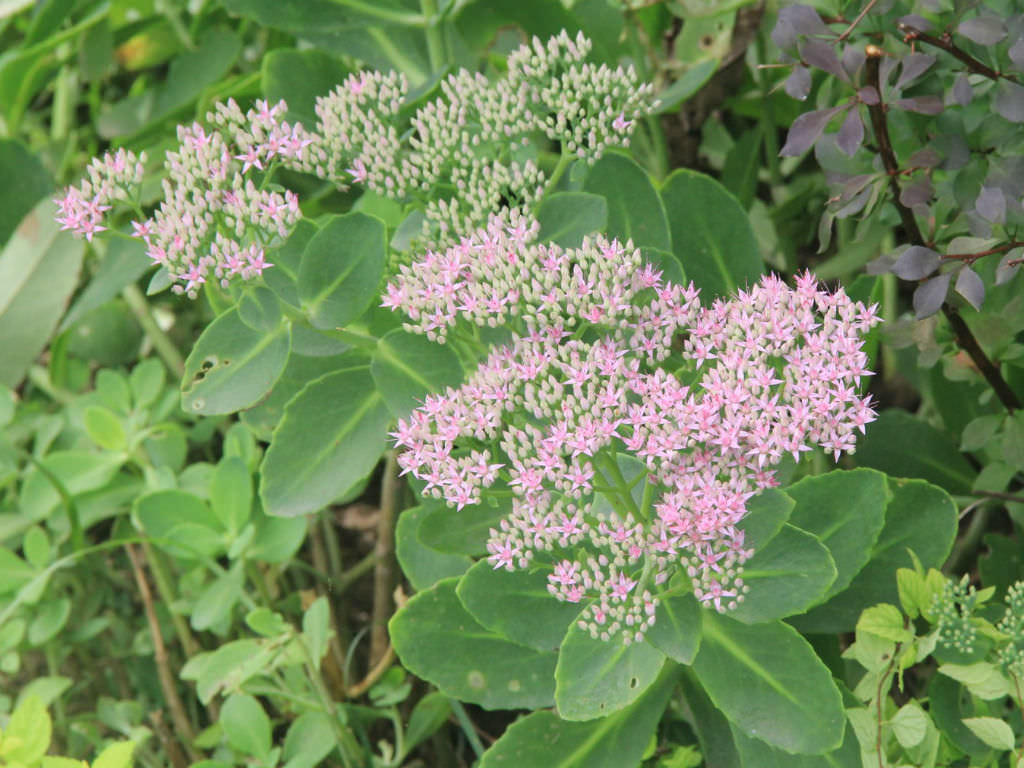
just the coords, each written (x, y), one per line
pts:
(36, 546)
(104, 428)
(884, 621)
(231, 493)
(216, 602)
(246, 725)
(117, 755)
(147, 382)
(910, 725)
(14, 572)
(429, 714)
(341, 269)
(316, 626)
(595, 677)
(50, 618)
(437, 640)
(309, 740)
(979, 431)
(992, 731)
(28, 732)
(180, 523)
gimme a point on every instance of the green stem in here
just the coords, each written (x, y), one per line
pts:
(161, 341)
(467, 727)
(768, 132)
(556, 175)
(74, 522)
(435, 41)
(348, 747)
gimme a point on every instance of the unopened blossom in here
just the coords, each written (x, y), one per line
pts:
(770, 372)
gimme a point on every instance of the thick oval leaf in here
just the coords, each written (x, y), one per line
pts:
(16, 200)
(595, 678)
(846, 511)
(754, 752)
(300, 370)
(331, 437)
(921, 518)
(423, 566)
(341, 269)
(676, 630)
(902, 446)
(463, 531)
(565, 217)
(791, 573)
(232, 365)
(711, 234)
(634, 210)
(38, 271)
(407, 366)
(770, 684)
(544, 740)
(437, 640)
(231, 493)
(299, 77)
(516, 605)
(283, 279)
(766, 514)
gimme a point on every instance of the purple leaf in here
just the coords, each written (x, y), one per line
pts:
(851, 133)
(868, 95)
(924, 158)
(798, 84)
(852, 59)
(804, 19)
(954, 150)
(983, 30)
(880, 266)
(962, 91)
(1017, 53)
(918, 193)
(819, 54)
(1009, 101)
(930, 294)
(1005, 271)
(805, 131)
(916, 262)
(783, 35)
(856, 205)
(991, 205)
(970, 286)
(914, 21)
(914, 65)
(926, 105)
(885, 69)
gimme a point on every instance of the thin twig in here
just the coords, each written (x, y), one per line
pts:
(384, 572)
(853, 24)
(373, 675)
(972, 257)
(168, 684)
(962, 333)
(167, 741)
(945, 42)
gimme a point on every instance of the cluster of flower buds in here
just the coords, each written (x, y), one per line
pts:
(468, 155)
(218, 214)
(552, 414)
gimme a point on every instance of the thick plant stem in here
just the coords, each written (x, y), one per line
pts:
(182, 725)
(965, 339)
(384, 572)
(161, 342)
(435, 40)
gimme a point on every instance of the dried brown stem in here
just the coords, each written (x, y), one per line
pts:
(373, 675)
(167, 741)
(384, 571)
(945, 42)
(972, 257)
(168, 684)
(965, 339)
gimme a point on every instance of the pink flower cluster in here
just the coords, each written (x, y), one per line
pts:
(580, 398)
(214, 220)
